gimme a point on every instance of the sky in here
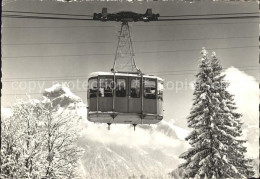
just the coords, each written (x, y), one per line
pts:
(74, 49)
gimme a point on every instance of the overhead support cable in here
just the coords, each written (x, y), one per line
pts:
(141, 52)
(172, 19)
(209, 18)
(44, 17)
(161, 73)
(139, 25)
(47, 13)
(136, 41)
(87, 15)
(223, 14)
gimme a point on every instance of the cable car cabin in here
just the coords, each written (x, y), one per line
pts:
(124, 98)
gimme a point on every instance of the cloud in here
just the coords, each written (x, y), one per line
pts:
(125, 135)
(246, 91)
(246, 94)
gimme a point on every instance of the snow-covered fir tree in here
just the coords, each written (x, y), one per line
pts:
(217, 149)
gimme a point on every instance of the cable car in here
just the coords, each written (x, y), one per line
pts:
(125, 95)
(125, 98)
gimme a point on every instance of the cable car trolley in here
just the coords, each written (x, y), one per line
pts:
(125, 95)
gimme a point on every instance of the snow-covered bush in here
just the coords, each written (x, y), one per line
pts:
(39, 142)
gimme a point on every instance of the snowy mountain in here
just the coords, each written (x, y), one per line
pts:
(121, 152)
(61, 96)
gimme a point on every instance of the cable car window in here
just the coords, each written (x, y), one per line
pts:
(160, 90)
(105, 88)
(149, 89)
(120, 88)
(92, 86)
(135, 88)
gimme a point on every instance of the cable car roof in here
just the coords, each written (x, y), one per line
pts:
(95, 74)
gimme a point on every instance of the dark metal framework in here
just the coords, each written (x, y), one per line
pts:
(126, 16)
(125, 58)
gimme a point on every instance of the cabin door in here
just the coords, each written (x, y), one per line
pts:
(150, 105)
(134, 95)
(121, 94)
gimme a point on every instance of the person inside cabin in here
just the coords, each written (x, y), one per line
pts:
(108, 91)
(135, 88)
(149, 92)
(105, 89)
(101, 92)
(137, 91)
(93, 92)
(133, 93)
(121, 91)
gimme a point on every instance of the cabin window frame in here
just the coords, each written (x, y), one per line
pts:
(139, 94)
(153, 94)
(96, 92)
(117, 87)
(107, 85)
(160, 90)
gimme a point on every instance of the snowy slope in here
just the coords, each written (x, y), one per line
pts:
(111, 157)
(122, 152)
(118, 161)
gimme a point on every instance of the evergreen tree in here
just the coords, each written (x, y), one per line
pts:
(217, 149)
